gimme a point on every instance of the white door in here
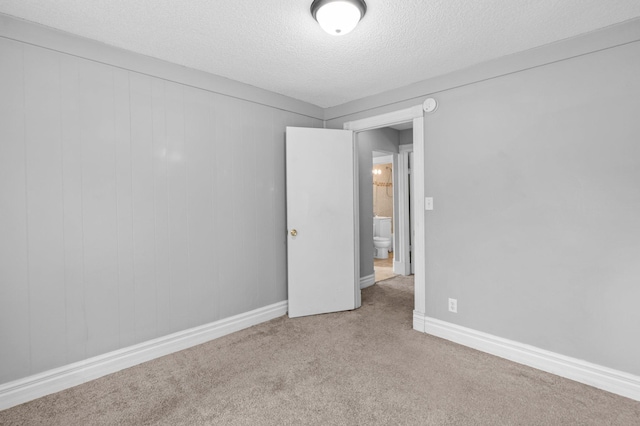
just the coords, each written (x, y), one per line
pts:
(321, 209)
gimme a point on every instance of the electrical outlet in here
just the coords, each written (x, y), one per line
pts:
(453, 305)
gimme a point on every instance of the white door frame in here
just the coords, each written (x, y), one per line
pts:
(402, 264)
(415, 114)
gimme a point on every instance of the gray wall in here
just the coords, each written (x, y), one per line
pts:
(534, 163)
(537, 229)
(406, 137)
(133, 191)
(385, 140)
(130, 205)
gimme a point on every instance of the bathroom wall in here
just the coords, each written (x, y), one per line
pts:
(133, 194)
(373, 140)
(383, 191)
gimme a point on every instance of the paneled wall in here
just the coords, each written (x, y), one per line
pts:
(131, 207)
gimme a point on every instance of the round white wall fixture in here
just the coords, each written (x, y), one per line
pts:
(430, 105)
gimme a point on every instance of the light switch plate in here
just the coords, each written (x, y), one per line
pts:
(428, 203)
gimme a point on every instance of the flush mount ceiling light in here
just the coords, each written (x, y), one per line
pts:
(338, 17)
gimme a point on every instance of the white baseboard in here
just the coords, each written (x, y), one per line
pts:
(399, 268)
(614, 381)
(367, 281)
(38, 385)
(418, 321)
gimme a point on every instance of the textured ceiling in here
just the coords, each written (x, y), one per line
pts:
(276, 44)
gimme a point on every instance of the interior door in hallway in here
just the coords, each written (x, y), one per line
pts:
(321, 221)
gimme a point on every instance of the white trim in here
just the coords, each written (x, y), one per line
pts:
(357, 282)
(383, 159)
(419, 217)
(59, 41)
(384, 120)
(611, 36)
(395, 246)
(38, 385)
(608, 379)
(367, 281)
(402, 265)
(399, 267)
(418, 321)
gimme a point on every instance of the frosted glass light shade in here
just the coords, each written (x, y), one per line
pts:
(338, 17)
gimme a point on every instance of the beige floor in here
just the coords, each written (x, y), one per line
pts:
(383, 268)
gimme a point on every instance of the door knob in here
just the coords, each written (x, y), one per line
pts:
(294, 232)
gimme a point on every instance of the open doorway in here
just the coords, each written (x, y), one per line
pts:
(361, 164)
(383, 189)
(392, 198)
(384, 185)
(403, 259)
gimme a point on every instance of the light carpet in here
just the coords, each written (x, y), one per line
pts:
(362, 367)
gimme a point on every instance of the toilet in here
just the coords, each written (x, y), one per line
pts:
(382, 237)
(382, 246)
